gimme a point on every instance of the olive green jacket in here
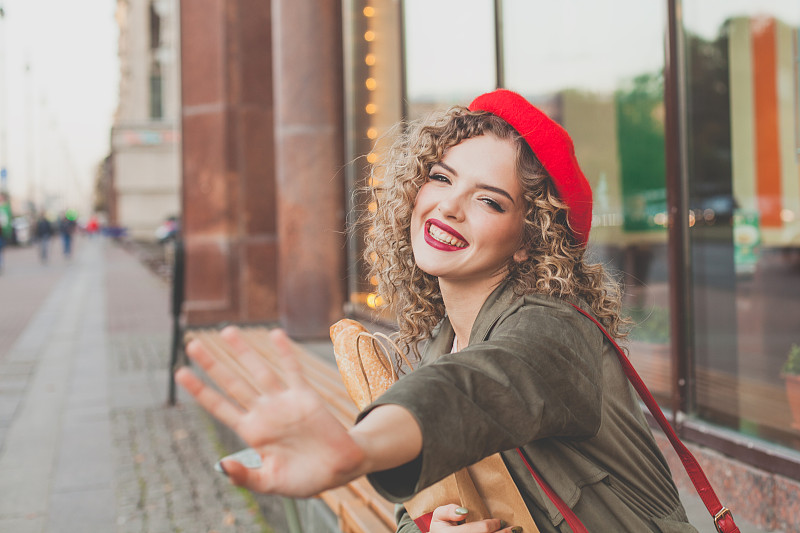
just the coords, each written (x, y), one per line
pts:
(540, 376)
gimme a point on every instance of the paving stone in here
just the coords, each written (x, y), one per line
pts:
(104, 452)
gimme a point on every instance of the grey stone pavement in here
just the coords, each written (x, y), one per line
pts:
(87, 440)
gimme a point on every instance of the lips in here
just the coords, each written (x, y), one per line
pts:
(443, 237)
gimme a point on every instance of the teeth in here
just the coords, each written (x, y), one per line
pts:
(444, 237)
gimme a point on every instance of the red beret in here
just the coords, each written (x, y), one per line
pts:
(553, 146)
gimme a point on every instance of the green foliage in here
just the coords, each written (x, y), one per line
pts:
(792, 365)
(650, 324)
(640, 132)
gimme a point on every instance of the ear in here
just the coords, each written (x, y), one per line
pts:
(520, 255)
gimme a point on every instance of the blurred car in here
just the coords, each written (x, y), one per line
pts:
(23, 233)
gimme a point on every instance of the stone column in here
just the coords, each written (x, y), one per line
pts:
(308, 80)
(229, 207)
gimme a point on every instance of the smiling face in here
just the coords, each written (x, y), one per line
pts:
(468, 216)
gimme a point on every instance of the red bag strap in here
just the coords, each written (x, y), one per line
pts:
(573, 521)
(723, 519)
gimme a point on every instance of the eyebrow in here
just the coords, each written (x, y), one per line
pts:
(483, 186)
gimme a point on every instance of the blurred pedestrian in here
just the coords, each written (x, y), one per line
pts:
(92, 226)
(6, 228)
(66, 227)
(44, 230)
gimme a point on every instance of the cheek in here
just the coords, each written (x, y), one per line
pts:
(513, 234)
(422, 201)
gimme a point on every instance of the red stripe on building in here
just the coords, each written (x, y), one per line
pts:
(768, 161)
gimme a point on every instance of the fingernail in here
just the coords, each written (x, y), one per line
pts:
(461, 510)
(503, 524)
(516, 529)
(221, 468)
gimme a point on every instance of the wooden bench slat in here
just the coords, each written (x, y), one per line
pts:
(357, 517)
(358, 506)
(380, 506)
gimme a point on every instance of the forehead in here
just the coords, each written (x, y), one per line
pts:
(486, 158)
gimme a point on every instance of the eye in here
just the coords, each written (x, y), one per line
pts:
(439, 177)
(493, 204)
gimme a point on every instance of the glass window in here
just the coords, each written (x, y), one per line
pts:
(156, 94)
(374, 104)
(449, 52)
(405, 59)
(601, 76)
(744, 195)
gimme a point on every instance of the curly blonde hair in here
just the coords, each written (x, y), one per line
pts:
(555, 264)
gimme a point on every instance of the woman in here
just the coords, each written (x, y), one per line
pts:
(478, 242)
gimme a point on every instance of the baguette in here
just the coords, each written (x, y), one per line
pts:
(364, 367)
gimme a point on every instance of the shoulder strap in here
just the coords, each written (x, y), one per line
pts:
(723, 519)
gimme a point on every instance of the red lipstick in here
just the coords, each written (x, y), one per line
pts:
(445, 232)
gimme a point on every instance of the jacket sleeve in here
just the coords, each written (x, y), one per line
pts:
(404, 522)
(536, 375)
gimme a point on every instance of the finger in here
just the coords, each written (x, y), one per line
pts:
(450, 513)
(217, 365)
(254, 479)
(208, 398)
(251, 361)
(491, 525)
(289, 360)
(238, 474)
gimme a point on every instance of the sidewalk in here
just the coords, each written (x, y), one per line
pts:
(87, 442)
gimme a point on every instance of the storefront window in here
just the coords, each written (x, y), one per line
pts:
(744, 195)
(601, 76)
(402, 61)
(374, 104)
(449, 53)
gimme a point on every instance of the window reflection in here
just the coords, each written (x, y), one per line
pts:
(450, 52)
(374, 104)
(742, 117)
(601, 76)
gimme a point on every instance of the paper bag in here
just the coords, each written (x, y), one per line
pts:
(485, 488)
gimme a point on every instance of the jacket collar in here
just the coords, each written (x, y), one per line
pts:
(491, 310)
(498, 303)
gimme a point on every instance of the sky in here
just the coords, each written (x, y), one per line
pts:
(59, 67)
(540, 57)
(619, 40)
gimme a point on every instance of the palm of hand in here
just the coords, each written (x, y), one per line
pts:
(304, 449)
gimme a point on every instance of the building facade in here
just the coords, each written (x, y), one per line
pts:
(685, 119)
(145, 137)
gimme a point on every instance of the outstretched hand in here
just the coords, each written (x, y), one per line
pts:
(304, 449)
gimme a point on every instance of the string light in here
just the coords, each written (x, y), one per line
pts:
(374, 300)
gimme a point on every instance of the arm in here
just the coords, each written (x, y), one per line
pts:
(535, 376)
(304, 449)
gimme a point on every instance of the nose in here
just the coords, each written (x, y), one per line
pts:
(451, 207)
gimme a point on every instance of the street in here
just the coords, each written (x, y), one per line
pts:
(87, 441)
